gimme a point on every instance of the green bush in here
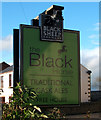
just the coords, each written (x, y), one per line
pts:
(54, 113)
(21, 106)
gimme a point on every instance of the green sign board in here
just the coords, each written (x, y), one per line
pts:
(52, 69)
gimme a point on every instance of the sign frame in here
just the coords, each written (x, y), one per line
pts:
(22, 26)
(16, 56)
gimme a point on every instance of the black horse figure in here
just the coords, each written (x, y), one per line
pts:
(62, 50)
(53, 19)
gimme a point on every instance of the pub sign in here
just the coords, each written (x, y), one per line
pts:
(51, 68)
(50, 63)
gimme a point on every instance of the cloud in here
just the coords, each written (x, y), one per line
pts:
(6, 43)
(90, 59)
(96, 42)
(94, 36)
(10, 64)
(97, 83)
(95, 39)
(97, 27)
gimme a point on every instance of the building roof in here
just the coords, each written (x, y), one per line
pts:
(3, 66)
(88, 71)
(8, 69)
(83, 66)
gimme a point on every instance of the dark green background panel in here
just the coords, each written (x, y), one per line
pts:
(51, 68)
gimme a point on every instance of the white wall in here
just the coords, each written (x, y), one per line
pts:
(84, 85)
(8, 91)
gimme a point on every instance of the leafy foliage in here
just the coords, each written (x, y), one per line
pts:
(21, 105)
(54, 113)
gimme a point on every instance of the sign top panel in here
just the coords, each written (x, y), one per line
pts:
(51, 24)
